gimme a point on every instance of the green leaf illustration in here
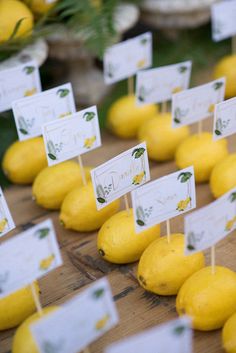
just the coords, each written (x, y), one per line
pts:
(183, 69)
(142, 94)
(98, 293)
(218, 132)
(177, 121)
(144, 41)
(24, 132)
(29, 70)
(101, 194)
(63, 92)
(51, 156)
(42, 233)
(140, 222)
(23, 127)
(140, 216)
(179, 330)
(138, 152)
(50, 347)
(217, 85)
(185, 176)
(232, 197)
(89, 116)
(190, 247)
(101, 200)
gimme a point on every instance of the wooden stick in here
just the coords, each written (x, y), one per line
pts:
(164, 107)
(36, 300)
(213, 259)
(234, 45)
(131, 85)
(82, 170)
(168, 230)
(126, 203)
(199, 127)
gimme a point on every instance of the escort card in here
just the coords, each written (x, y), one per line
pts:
(18, 82)
(163, 199)
(69, 137)
(225, 119)
(124, 59)
(197, 103)
(157, 85)
(205, 227)
(32, 112)
(79, 322)
(172, 337)
(27, 257)
(6, 221)
(120, 175)
(223, 20)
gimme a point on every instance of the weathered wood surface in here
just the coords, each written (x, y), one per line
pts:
(138, 309)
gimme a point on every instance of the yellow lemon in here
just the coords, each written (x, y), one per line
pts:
(23, 340)
(79, 211)
(40, 7)
(101, 324)
(46, 263)
(53, 183)
(16, 307)
(119, 243)
(23, 160)
(183, 204)
(201, 152)
(162, 140)
(137, 179)
(209, 299)
(3, 224)
(223, 176)
(11, 12)
(163, 267)
(88, 142)
(125, 117)
(227, 68)
(228, 335)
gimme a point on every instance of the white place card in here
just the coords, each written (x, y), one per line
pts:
(69, 137)
(157, 85)
(205, 227)
(163, 199)
(6, 221)
(197, 103)
(32, 112)
(124, 59)
(172, 337)
(17, 82)
(223, 15)
(79, 322)
(27, 257)
(120, 175)
(224, 119)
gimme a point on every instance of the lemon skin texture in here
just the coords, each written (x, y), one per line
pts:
(125, 117)
(228, 335)
(53, 184)
(23, 341)
(79, 211)
(223, 176)
(16, 307)
(117, 241)
(40, 7)
(163, 267)
(23, 160)
(209, 299)
(162, 140)
(227, 68)
(201, 152)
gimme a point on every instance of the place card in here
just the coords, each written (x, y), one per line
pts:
(120, 175)
(164, 198)
(223, 20)
(157, 85)
(224, 119)
(124, 59)
(79, 322)
(17, 82)
(210, 224)
(70, 137)
(32, 112)
(6, 221)
(198, 103)
(172, 337)
(27, 257)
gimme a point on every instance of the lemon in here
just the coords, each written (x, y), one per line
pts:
(162, 140)
(40, 7)
(23, 340)
(23, 160)
(223, 176)
(228, 335)
(209, 299)
(3, 224)
(117, 241)
(125, 117)
(16, 307)
(79, 211)
(201, 152)
(227, 68)
(163, 267)
(53, 183)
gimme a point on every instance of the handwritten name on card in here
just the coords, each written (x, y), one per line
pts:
(69, 137)
(124, 59)
(18, 82)
(164, 198)
(157, 85)
(120, 175)
(173, 337)
(224, 119)
(223, 20)
(32, 112)
(87, 316)
(27, 257)
(197, 103)
(210, 224)
(6, 221)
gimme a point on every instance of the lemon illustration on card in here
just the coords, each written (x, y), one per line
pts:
(47, 262)
(137, 179)
(183, 204)
(88, 142)
(30, 92)
(229, 225)
(3, 224)
(101, 324)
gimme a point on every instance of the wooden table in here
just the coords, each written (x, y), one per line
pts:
(138, 309)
